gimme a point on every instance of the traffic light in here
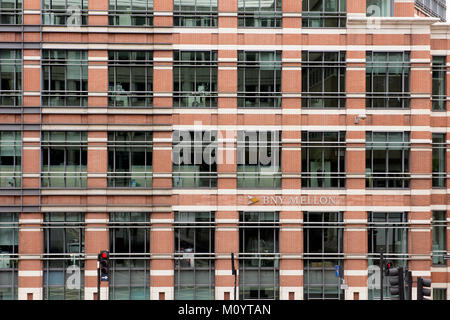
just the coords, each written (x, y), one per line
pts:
(389, 265)
(396, 283)
(103, 259)
(423, 289)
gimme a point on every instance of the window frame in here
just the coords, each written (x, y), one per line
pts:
(273, 18)
(200, 179)
(63, 96)
(245, 66)
(437, 255)
(15, 13)
(186, 262)
(49, 14)
(439, 101)
(386, 96)
(115, 64)
(114, 144)
(65, 258)
(16, 173)
(180, 65)
(308, 17)
(326, 260)
(17, 93)
(308, 147)
(390, 178)
(81, 145)
(114, 14)
(141, 221)
(201, 18)
(264, 174)
(10, 258)
(266, 261)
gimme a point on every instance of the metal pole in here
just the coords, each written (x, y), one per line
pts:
(233, 271)
(381, 274)
(410, 284)
(98, 279)
(401, 284)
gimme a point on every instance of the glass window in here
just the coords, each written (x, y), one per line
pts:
(65, 12)
(129, 238)
(9, 255)
(439, 160)
(259, 159)
(323, 79)
(439, 224)
(259, 269)
(130, 159)
(439, 294)
(130, 78)
(195, 13)
(63, 256)
(387, 79)
(11, 78)
(65, 82)
(387, 231)
(323, 159)
(380, 8)
(10, 159)
(439, 98)
(387, 159)
(131, 12)
(323, 247)
(259, 79)
(10, 11)
(195, 79)
(64, 159)
(324, 13)
(194, 256)
(194, 159)
(260, 13)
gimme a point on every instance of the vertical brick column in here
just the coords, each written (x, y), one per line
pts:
(404, 8)
(30, 220)
(98, 80)
(227, 222)
(96, 240)
(420, 237)
(355, 234)
(163, 13)
(356, 8)
(291, 234)
(31, 242)
(162, 232)
(96, 232)
(98, 13)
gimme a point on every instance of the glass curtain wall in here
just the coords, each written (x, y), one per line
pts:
(387, 231)
(323, 241)
(387, 159)
(9, 255)
(323, 159)
(11, 78)
(259, 269)
(64, 256)
(64, 159)
(130, 159)
(194, 255)
(10, 159)
(129, 245)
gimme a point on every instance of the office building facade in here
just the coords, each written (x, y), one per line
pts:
(305, 137)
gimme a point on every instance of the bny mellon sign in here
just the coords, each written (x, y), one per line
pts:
(303, 200)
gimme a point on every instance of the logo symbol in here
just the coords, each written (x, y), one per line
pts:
(252, 200)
